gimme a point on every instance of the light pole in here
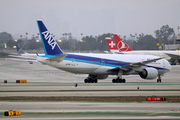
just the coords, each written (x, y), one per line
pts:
(27, 40)
(178, 29)
(81, 35)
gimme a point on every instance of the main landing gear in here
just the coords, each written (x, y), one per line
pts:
(118, 80)
(90, 80)
(159, 79)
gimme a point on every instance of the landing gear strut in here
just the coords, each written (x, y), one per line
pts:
(90, 80)
(118, 80)
(159, 78)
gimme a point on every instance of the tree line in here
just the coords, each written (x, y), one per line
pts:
(165, 35)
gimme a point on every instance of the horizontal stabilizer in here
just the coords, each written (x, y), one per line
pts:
(56, 58)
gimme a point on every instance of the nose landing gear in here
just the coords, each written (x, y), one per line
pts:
(159, 79)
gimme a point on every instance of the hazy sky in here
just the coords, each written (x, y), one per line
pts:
(90, 17)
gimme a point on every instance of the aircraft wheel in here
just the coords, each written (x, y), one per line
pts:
(91, 80)
(113, 81)
(158, 80)
(123, 80)
(96, 80)
(119, 80)
(85, 81)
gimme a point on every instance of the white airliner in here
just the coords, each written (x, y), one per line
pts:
(99, 66)
(24, 56)
(120, 47)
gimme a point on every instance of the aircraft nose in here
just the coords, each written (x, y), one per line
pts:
(168, 65)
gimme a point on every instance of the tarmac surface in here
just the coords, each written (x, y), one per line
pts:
(92, 110)
(46, 81)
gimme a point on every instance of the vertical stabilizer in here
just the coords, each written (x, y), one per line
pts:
(121, 45)
(19, 50)
(49, 44)
(112, 45)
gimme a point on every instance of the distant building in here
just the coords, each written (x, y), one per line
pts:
(175, 46)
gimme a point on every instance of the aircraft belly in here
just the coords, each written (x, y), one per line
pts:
(103, 70)
(77, 67)
(78, 70)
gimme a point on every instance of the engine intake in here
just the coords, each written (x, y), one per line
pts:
(148, 73)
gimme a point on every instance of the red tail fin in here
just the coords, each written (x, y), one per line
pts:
(121, 45)
(112, 45)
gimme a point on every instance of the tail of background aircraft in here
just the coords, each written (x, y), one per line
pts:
(119, 45)
(112, 45)
(49, 44)
(19, 50)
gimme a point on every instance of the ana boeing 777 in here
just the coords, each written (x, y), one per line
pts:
(99, 66)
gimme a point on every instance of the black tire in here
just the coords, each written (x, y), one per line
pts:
(91, 80)
(5, 81)
(85, 81)
(96, 80)
(119, 80)
(6, 113)
(123, 80)
(113, 81)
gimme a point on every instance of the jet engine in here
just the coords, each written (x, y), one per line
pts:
(148, 73)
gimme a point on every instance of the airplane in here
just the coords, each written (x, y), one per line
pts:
(99, 66)
(120, 47)
(24, 56)
(20, 52)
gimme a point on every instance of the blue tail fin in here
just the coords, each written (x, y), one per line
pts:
(49, 44)
(19, 50)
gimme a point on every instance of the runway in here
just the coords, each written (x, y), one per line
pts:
(45, 81)
(90, 110)
(84, 89)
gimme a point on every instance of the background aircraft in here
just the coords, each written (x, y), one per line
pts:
(99, 66)
(120, 47)
(24, 56)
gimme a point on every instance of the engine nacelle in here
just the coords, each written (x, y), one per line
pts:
(99, 76)
(148, 73)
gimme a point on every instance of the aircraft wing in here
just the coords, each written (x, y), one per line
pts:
(173, 56)
(23, 60)
(23, 57)
(137, 66)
